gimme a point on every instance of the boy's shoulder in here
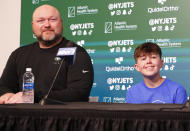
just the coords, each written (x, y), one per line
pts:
(172, 84)
(137, 87)
(139, 84)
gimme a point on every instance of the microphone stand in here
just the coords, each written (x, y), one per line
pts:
(43, 100)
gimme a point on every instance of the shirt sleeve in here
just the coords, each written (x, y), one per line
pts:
(129, 96)
(181, 96)
(9, 80)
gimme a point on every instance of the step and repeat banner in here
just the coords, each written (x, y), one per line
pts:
(110, 30)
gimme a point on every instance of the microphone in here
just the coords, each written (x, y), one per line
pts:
(67, 54)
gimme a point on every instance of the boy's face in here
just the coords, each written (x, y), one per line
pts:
(149, 64)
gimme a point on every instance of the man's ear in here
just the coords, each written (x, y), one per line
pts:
(137, 67)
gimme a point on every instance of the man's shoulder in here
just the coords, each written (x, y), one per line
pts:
(69, 43)
(79, 48)
(25, 47)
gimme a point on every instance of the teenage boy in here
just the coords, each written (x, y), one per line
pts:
(154, 88)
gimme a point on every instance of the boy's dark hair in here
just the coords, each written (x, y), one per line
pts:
(147, 48)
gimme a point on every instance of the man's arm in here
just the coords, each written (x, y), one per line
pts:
(9, 79)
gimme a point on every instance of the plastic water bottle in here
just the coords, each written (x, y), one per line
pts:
(28, 86)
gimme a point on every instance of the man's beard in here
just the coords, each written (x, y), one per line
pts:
(49, 42)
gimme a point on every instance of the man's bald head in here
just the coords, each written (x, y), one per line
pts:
(47, 25)
(44, 8)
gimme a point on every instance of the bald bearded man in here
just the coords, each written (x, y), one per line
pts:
(73, 82)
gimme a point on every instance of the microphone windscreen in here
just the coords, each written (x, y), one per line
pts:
(68, 53)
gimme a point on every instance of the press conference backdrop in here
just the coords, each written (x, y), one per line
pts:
(110, 30)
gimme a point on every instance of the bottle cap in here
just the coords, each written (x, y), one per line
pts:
(28, 69)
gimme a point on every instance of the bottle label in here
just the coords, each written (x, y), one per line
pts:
(29, 86)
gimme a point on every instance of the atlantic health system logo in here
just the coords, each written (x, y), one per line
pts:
(118, 26)
(108, 27)
(71, 12)
(80, 10)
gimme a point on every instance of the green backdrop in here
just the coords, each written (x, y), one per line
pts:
(111, 29)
